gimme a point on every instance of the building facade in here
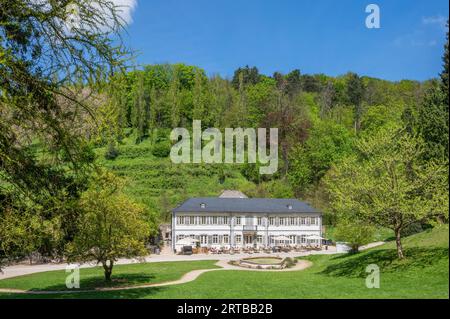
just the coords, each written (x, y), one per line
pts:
(244, 222)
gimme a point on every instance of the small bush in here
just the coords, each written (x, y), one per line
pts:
(412, 229)
(161, 149)
(289, 262)
(111, 152)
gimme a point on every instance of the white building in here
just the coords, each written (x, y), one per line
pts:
(240, 221)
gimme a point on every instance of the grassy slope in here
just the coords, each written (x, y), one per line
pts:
(150, 177)
(424, 274)
(123, 275)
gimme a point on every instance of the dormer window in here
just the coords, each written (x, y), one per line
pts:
(289, 207)
(202, 205)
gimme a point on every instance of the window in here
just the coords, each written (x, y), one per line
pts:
(238, 239)
(214, 220)
(179, 220)
(180, 237)
(192, 220)
(203, 239)
(271, 240)
(215, 239)
(303, 239)
(313, 221)
(238, 220)
(259, 221)
(225, 220)
(225, 239)
(303, 220)
(259, 239)
(292, 239)
(282, 221)
(293, 221)
(271, 221)
(202, 220)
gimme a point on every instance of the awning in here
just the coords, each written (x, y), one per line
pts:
(187, 241)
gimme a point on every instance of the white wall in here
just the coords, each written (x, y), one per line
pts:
(231, 229)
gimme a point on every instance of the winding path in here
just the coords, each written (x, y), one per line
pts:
(187, 277)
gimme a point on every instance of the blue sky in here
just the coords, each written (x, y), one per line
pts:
(322, 36)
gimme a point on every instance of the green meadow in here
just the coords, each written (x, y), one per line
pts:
(424, 273)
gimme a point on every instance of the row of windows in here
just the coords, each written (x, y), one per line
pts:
(260, 239)
(203, 220)
(208, 239)
(294, 239)
(291, 221)
(225, 220)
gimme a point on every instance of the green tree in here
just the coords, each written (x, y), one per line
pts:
(245, 76)
(327, 144)
(385, 183)
(354, 233)
(141, 109)
(112, 226)
(355, 94)
(444, 73)
(47, 69)
(433, 119)
(433, 124)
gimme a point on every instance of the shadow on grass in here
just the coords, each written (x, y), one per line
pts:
(137, 293)
(355, 265)
(119, 280)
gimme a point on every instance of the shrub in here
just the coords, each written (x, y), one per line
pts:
(414, 228)
(289, 262)
(111, 152)
(161, 149)
(354, 233)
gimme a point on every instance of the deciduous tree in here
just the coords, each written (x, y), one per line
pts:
(111, 226)
(386, 183)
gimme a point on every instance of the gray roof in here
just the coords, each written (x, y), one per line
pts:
(244, 205)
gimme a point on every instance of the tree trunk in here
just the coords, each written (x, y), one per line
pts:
(108, 270)
(398, 241)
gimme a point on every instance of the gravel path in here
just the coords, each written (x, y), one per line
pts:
(19, 270)
(187, 277)
(23, 269)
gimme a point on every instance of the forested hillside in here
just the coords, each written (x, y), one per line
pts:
(319, 118)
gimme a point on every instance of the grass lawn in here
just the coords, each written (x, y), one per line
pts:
(423, 274)
(123, 275)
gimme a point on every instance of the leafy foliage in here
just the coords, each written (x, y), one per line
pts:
(354, 233)
(112, 226)
(387, 184)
